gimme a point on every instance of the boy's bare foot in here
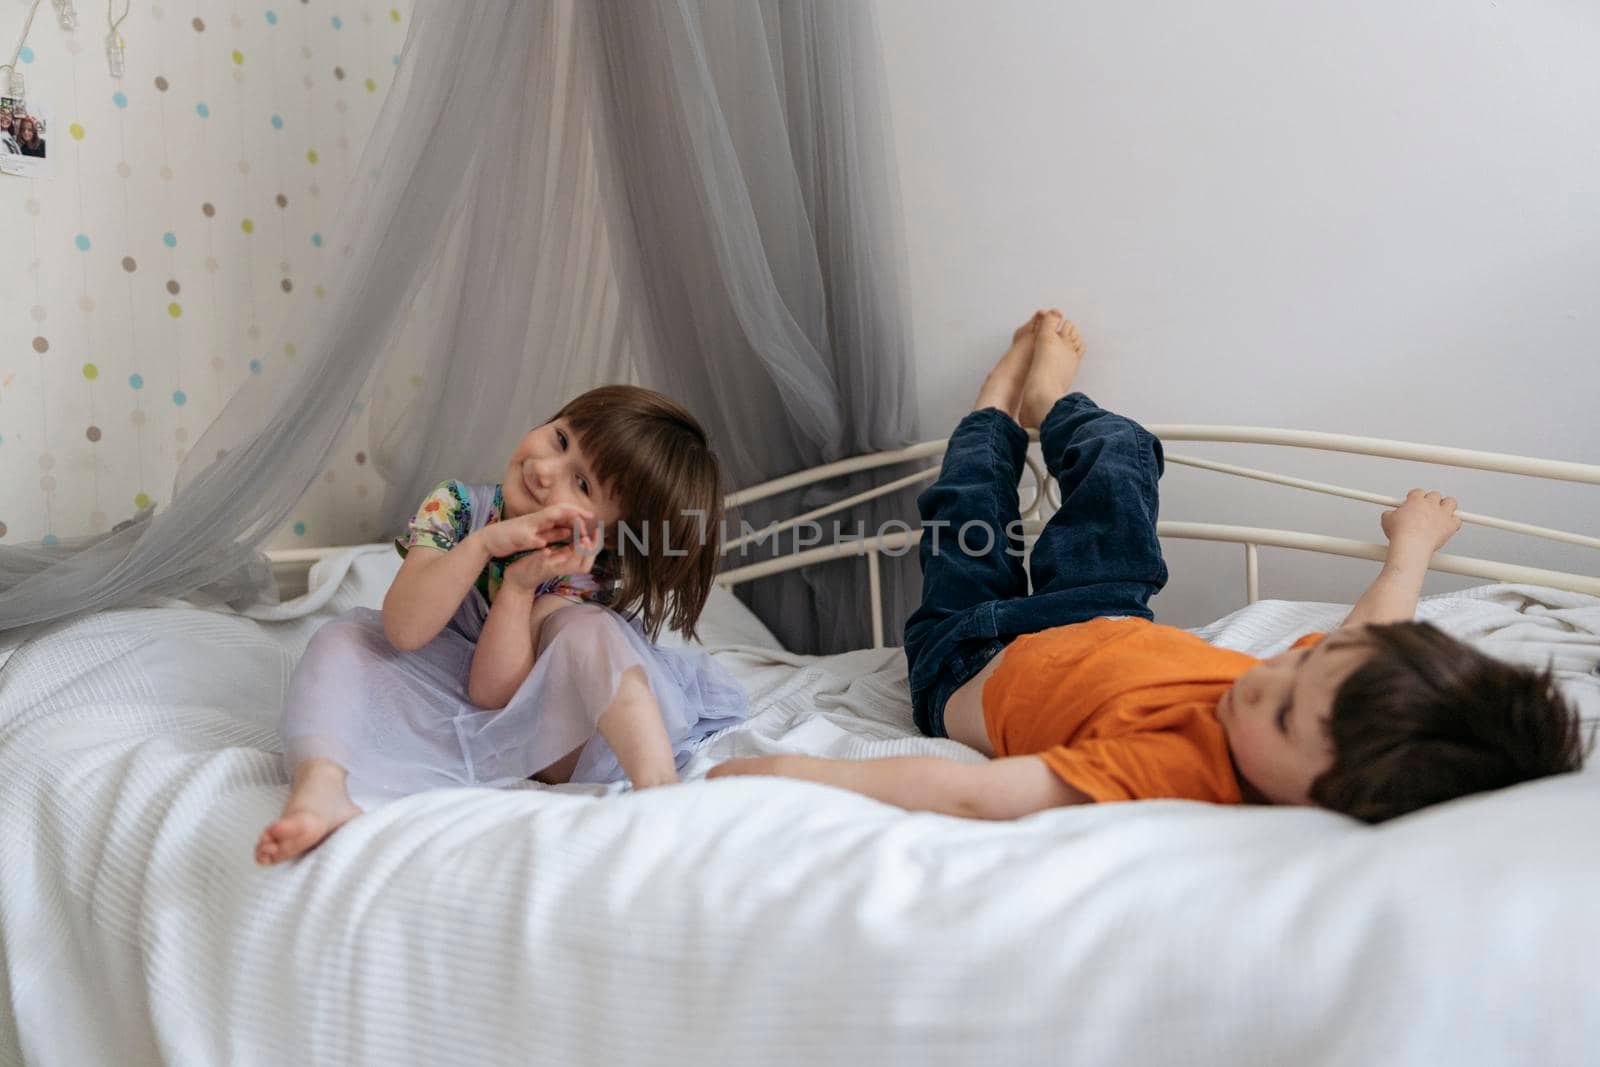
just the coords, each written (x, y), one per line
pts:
(1003, 387)
(1057, 351)
(317, 806)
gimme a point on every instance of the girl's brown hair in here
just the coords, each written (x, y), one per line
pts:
(657, 459)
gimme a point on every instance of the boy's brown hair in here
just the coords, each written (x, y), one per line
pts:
(1427, 719)
(657, 459)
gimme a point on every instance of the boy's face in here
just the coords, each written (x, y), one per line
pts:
(549, 468)
(1276, 715)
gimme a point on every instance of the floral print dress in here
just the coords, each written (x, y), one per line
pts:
(401, 722)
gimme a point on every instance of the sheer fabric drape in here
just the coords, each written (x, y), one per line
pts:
(696, 195)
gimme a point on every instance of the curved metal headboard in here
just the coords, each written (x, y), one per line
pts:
(1251, 537)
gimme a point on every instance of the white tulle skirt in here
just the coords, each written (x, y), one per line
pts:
(401, 722)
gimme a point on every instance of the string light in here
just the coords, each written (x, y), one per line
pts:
(17, 88)
(114, 44)
(66, 15)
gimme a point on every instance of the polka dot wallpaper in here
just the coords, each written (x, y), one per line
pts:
(176, 240)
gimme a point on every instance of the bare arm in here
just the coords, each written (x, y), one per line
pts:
(432, 582)
(1392, 597)
(508, 647)
(1416, 530)
(427, 591)
(1006, 788)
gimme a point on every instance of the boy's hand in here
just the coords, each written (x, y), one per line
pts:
(779, 766)
(537, 529)
(1416, 530)
(1426, 520)
(554, 561)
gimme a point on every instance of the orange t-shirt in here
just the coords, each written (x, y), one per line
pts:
(1121, 709)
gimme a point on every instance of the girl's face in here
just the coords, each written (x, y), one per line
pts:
(549, 468)
(26, 130)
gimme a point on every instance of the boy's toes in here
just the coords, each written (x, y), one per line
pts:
(1021, 333)
(1056, 322)
(1069, 332)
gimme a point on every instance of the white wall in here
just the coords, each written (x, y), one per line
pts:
(1364, 217)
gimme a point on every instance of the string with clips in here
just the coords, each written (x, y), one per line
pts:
(67, 19)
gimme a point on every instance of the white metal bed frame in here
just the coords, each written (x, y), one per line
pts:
(1251, 537)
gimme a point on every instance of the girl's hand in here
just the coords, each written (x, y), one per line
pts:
(539, 566)
(1425, 519)
(537, 529)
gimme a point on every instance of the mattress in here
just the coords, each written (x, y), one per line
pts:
(756, 921)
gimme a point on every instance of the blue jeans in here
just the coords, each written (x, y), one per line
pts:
(1097, 555)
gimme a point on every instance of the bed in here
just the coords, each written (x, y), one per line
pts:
(762, 921)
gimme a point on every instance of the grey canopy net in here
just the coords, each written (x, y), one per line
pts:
(694, 195)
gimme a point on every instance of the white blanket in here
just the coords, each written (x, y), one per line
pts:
(752, 921)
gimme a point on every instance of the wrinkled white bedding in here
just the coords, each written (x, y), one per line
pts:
(746, 920)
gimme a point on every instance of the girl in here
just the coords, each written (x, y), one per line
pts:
(516, 641)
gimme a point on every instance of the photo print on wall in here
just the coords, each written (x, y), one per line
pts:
(23, 139)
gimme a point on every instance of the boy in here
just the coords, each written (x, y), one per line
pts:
(1077, 696)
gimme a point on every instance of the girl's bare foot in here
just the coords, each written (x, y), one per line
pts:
(318, 805)
(1002, 389)
(1057, 351)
